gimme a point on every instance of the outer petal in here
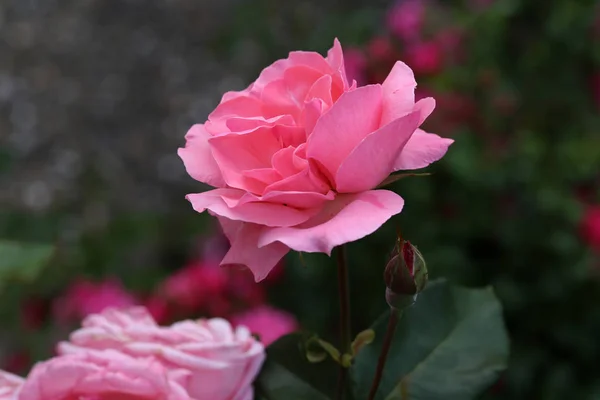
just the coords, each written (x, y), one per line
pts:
(9, 385)
(238, 106)
(335, 58)
(421, 150)
(226, 203)
(398, 93)
(198, 158)
(348, 218)
(344, 126)
(373, 159)
(246, 251)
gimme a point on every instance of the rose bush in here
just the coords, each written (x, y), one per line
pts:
(296, 157)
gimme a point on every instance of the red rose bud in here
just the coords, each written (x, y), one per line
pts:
(405, 275)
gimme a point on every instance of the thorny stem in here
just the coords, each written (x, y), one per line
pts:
(344, 294)
(385, 349)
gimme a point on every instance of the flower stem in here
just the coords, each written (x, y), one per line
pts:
(344, 294)
(385, 349)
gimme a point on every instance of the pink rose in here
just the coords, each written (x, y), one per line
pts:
(84, 298)
(9, 385)
(356, 63)
(406, 18)
(270, 324)
(425, 57)
(208, 358)
(104, 375)
(195, 284)
(296, 157)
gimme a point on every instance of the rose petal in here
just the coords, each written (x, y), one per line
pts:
(9, 385)
(348, 218)
(398, 93)
(421, 150)
(245, 250)
(425, 107)
(239, 124)
(344, 126)
(241, 106)
(310, 115)
(198, 158)
(226, 203)
(373, 159)
(235, 153)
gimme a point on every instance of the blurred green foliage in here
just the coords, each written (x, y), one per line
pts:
(502, 208)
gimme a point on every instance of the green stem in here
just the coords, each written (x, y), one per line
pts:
(345, 337)
(385, 349)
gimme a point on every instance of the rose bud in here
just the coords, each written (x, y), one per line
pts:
(405, 275)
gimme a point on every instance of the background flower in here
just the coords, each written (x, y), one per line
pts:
(100, 374)
(208, 358)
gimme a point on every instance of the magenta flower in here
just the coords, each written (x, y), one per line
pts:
(406, 18)
(84, 298)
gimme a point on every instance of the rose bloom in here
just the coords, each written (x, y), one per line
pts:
(207, 358)
(406, 19)
(84, 298)
(296, 157)
(105, 375)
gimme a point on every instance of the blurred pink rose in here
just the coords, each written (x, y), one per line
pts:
(17, 362)
(159, 308)
(195, 284)
(9, 386)
(296, 156)
(208, 358)
(590, 227)
(425, 57)
(104, 374)
(84, 298)
(356, 63)
(270, 324)
(380, 49)
(406, 18)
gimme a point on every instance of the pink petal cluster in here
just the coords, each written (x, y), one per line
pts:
(296, 157)
(126, 355)
(203, 287)
(83, 298)
(268, 323)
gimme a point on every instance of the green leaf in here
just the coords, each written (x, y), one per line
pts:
(288, 374)
(23, 261)
(451, 344)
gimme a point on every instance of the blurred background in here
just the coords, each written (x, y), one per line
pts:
(97, 95)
